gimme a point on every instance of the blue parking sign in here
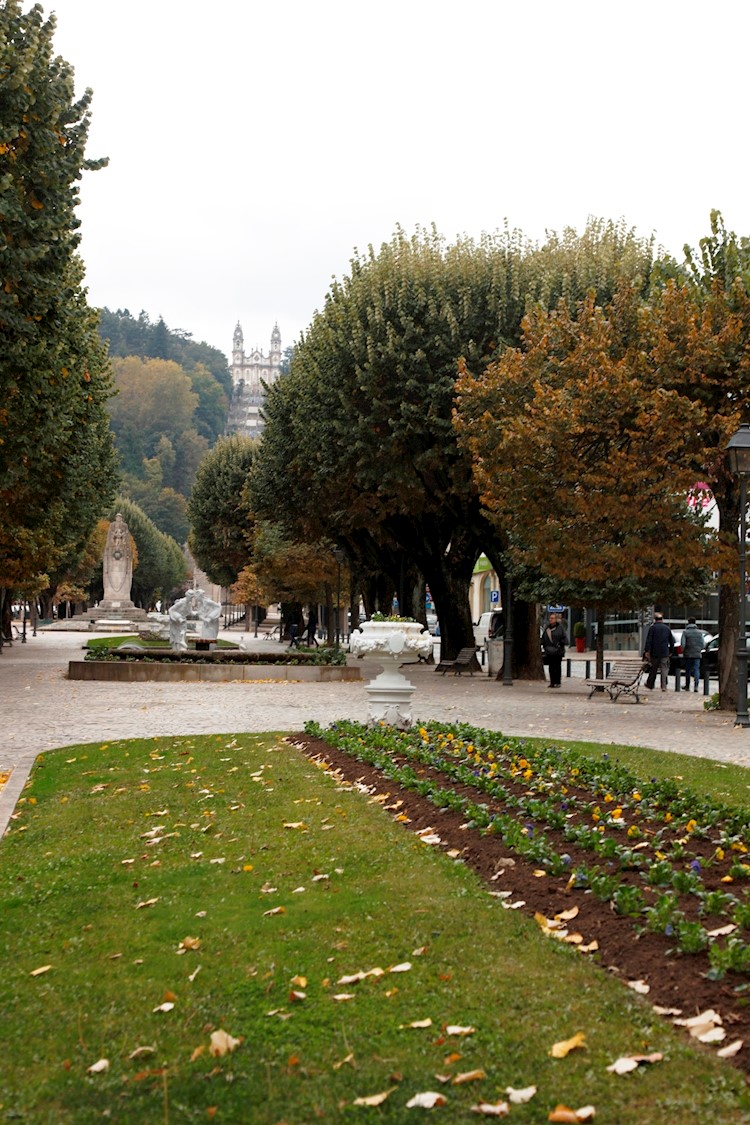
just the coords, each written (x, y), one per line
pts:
(494, 597)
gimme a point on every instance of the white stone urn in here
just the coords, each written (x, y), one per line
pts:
(394, 643)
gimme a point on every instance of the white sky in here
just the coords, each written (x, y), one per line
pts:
(254, 144)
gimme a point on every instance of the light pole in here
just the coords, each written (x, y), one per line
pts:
(738, 451)
(339, 555)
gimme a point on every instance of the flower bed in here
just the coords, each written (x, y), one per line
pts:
(661, 871)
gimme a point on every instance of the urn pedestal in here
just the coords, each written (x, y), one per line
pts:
(394, 643)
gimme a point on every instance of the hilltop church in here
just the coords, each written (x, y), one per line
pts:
(248, 395)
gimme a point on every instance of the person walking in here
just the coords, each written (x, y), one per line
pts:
(657, 650)
(692, 647)
(554, 640)
(312, 624)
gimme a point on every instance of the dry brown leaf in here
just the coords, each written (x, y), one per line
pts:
(427, 1100)
(340, 997)
(148, 902)
(348, 1059)
(469, 1076)
(567, 915)
(416, 1024)
(404, 967)
(374, 1099)
(276, 910)
(197, 1052)
(139, 1052)
(190, 943)
(639, 986)
(222, 1043)
(565, 1046)
(562, 1113)
(491, 1109)
(296, 996)
(457, 1029)
(711, 1035)
(299, 982)
(449, 1060)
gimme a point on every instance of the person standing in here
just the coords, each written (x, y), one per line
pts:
(692, 647)
(554, 640)
(657, 650)
(312, 624)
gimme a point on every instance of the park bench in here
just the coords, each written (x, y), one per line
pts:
(624, 679)
(466, 661)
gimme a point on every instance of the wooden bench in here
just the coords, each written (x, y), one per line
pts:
(624, 679)
(466, 661)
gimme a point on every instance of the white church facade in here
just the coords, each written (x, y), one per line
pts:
(249, 372)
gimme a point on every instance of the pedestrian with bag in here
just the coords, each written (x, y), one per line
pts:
(657, 650)
(554, 641)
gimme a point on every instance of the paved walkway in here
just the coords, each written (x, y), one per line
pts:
(42, 709)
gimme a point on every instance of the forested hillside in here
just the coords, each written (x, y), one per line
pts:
(170, 407)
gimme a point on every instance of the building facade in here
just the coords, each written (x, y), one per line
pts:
(249, 372)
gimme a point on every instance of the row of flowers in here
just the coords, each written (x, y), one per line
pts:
(673, 861)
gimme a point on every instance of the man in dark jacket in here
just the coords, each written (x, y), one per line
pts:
(554, 640)
(658, 649)
(692, 647)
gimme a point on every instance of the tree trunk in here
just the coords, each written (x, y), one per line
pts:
(527, 647)
(600, 618)
(728, 503)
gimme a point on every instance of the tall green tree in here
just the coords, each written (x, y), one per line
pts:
(57, 468)
(221, 518)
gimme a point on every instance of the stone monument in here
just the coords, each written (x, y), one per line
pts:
(195, 606)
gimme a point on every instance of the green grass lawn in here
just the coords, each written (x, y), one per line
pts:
(214, 834)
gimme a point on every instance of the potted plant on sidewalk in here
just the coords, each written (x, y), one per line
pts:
(579, 633)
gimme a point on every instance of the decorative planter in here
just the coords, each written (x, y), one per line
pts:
(394, 643)
(580, 644)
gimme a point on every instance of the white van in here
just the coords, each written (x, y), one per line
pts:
(483, 625)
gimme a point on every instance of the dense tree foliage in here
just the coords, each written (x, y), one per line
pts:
(598, 511)
(359, 443)
(128, 335)
(57, 468)
(221, 519)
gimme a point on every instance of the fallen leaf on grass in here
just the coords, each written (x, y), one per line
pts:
(710, 1035)
(147, 902)
(513, 905)
(427, 1100)
(222, 1043)
(402, 968)
(98, 1067)
(626, 1063)
(415, 1024)
(374, 1099)
(297, 824)
(299, 982)
(731, 1049)
(562, 1113)
(167, 1006)
(457, 1029)
(520, 1097)
(139, 1052)
(349, 1059)
(276, 910)
(38, 972)
(198, 1052)
(469, 1076)
(491, 1109)
(194, 974)
(190, 943)
(340, 997)
(565, 1046)
(296, 996)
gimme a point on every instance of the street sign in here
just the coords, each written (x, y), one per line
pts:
(494, 597)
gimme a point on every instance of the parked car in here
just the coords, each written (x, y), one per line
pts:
(710, 657)
(433, 624)
(676, 662)
(486, 626)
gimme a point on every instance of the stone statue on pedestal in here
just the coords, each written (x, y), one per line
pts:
(118, 567)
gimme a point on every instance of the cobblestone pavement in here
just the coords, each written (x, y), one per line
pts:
(42, 709)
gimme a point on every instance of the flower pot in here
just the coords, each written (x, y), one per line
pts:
(580, 644)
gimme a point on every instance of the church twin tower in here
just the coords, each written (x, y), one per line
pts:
(249, 372)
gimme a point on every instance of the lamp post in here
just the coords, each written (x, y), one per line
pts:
(738, 452)
(339, 555)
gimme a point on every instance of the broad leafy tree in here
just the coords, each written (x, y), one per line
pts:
(577, 418)
(57, 468)
(221, 519)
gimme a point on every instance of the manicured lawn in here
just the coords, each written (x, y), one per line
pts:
(121, 853)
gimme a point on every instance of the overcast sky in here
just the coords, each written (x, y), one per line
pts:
(254, 144)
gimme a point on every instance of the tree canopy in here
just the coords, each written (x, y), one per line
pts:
(221, 519)
(57, 468)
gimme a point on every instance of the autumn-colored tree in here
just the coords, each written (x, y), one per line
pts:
(579, 454)
(698, 333)
(297, 574)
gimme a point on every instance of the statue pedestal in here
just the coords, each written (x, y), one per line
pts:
(395, 643)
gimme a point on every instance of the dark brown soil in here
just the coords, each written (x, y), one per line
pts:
(674, 980)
